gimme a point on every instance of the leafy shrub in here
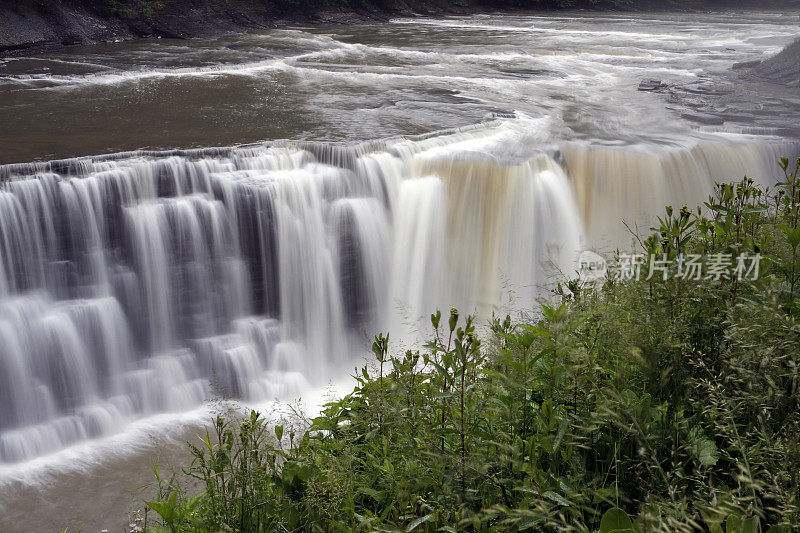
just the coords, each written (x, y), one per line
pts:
(651, 404)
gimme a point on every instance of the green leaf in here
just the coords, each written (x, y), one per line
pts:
(440, 369)
(556, 497)
(616, 521)
(792, 236)
(529, 523)
(165, 508)
(368, 491)
(749, 525)
(751, 299)
(158, 507)
(188, 506)
(364, 520)
(707, 452)
(386, 511)
(435, 318)
(733, 524)
(778, 529)
(554, 314)
(416, 523)
(526, 339)
(703, 449)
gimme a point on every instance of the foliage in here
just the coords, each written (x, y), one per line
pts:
(658, 404)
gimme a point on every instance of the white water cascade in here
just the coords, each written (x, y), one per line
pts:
(145, 283)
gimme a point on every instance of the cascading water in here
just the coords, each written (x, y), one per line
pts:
(136, 287)
(143, 283)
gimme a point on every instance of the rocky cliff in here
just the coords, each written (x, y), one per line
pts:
(26, 24)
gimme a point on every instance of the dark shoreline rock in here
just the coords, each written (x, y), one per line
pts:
(783, 68)
(30, 26)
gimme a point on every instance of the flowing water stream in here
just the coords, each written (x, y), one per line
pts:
(372, 174)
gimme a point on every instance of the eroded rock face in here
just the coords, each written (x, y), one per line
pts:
(22, 26)
(784, 68)
(53, 23)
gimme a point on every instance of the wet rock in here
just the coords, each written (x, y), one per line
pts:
(45, 25)
(746, 64)
(651, 85)
(706, 89)
(41, 23)
(783, 68)
(761, 92)
(703, 118)
(515, 72)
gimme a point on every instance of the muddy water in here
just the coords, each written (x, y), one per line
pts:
(363, 82)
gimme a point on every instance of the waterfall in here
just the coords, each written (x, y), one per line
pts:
(635, 184)
(145, 283)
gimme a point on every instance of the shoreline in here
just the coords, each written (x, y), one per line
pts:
(40, 28)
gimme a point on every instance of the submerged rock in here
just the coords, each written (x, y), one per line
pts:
(651, 85)
(703, 118)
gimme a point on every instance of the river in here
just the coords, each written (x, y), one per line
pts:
(184, 220)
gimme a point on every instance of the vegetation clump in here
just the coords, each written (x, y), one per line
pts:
(657, 403)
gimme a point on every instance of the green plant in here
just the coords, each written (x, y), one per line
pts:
(665, 403)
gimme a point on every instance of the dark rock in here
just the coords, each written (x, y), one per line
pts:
(783, 68)
(746, 64)
(702, 89)
(23, 25)
(514, 72)
(651, 85)
(703, 118)
(41, 25)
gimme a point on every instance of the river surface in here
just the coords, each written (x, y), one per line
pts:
(350, 83)
(183, 220)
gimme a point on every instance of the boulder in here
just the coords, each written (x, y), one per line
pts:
(651, 85)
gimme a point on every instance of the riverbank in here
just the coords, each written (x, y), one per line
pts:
(29, 26)
(783, 68)
(36, 26)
